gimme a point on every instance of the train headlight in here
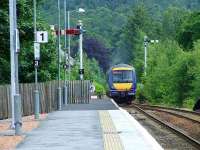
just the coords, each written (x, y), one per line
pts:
(112, 87)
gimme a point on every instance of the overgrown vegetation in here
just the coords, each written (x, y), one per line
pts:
(172, 75)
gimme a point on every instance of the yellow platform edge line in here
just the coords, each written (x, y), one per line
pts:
(111, 138)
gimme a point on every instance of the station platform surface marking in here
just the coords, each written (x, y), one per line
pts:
(111, 138)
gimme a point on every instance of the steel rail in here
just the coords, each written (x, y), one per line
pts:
(177, 131)
(170, 108)
(171, 113)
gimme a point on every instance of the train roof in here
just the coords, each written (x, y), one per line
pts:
(121, 66)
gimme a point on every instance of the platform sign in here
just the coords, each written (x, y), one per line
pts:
(42, 36)
(17, 41)
(81, 71)
(37, 51)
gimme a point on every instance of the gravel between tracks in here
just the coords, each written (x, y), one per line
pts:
(192, 129)
(167, 139)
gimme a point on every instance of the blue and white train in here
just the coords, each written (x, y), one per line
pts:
(122, 83)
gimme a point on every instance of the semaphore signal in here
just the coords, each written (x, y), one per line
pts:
(72, 31)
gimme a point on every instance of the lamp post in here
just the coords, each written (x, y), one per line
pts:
(14, 50)
(59, 60)
(65, 66)
(146, 42)
(36, 52)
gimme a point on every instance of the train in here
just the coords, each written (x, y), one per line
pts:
(122, 83)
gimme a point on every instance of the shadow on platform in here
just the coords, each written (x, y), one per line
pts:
(95, 104)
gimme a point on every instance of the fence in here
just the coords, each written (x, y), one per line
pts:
(78, 92)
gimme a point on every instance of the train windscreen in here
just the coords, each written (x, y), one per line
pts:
(122, 76)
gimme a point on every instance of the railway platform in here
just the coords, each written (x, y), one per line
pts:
(99, 125)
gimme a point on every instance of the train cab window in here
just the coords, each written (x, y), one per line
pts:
(122, 76)
(117, 76)
(127, 76)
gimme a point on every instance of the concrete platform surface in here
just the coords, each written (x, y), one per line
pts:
(66, 130)
(100, 125)
(132, 134)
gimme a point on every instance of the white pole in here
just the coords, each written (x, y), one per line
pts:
(59, 61)
(81, 52)
(145, 58)
(65, 43)
(145, 54)
(69, 45)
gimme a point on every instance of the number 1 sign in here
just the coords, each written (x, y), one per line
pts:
(42, 36)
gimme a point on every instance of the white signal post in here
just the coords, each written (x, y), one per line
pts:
(68, 50)
(145, 54)
(146, 42)
(81, 70)
(80, 10)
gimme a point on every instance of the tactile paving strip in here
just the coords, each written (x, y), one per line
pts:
(111, 137)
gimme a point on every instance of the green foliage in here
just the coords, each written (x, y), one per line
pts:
(137, 27)
(140, 93)
(92, 71)
(191, 31)
(26, 57)
(195, 70)
(99, 89)
(4, 46)
(118, 26)
(172, 75)
(189, 103)
(173, 19)
(167, 75)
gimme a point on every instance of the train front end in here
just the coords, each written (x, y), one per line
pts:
(122, 83)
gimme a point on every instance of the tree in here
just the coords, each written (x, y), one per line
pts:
(173, 19)
(195, 70)
(4, 46)
(92, 70)
(25, 25)
(95, 49)
(138, 25)
(190, 31)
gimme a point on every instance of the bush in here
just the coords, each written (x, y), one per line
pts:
(99, 89)
(140, 92)
(188, 103)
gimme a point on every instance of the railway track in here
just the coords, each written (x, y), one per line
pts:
(156, 113)
(189, 115)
